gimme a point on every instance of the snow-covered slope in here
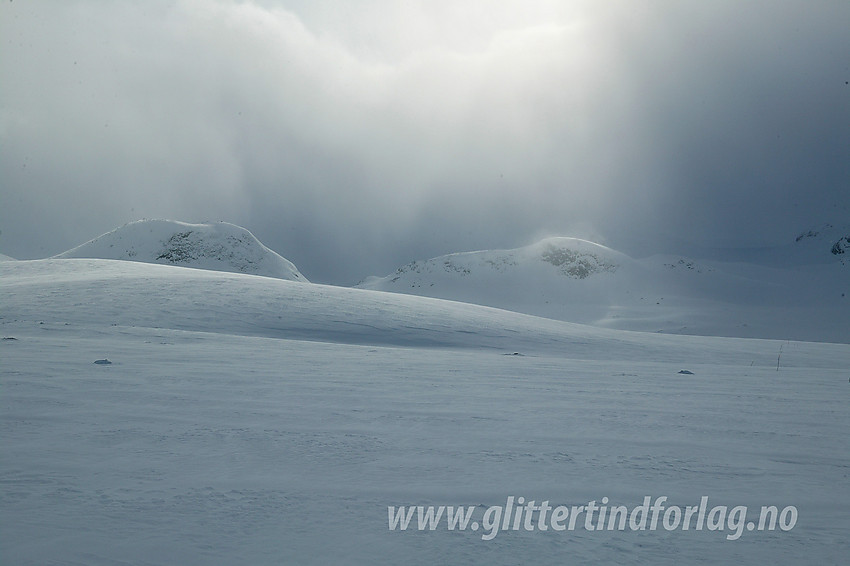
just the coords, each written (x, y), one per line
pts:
(539, 279)
(575, 280)
(824, 244)
(4, 257)
(125, 294)
(572, 258)
(252, 420)
(218, 247)
(564, 258)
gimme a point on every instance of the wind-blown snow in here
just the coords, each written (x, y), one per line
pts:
(252, 420)
(579, 281)
(219, 247)
(569, 257)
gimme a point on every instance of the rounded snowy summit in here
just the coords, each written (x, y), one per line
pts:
(217, 246)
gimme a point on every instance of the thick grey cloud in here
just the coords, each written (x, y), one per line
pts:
(355, 136)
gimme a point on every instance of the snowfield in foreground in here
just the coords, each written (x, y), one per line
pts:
(251, 420)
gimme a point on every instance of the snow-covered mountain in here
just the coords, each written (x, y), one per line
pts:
(218, 246)
(538, 279)
(576, 280)
(826, 243)
(571, 258)
(822, 244)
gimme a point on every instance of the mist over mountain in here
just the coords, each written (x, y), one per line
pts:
(753, 293)
(609, 249)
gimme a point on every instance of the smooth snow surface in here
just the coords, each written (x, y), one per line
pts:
(219, 247)
(251, 420)
(579, 281)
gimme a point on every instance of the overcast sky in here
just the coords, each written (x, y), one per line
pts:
(354, 136)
